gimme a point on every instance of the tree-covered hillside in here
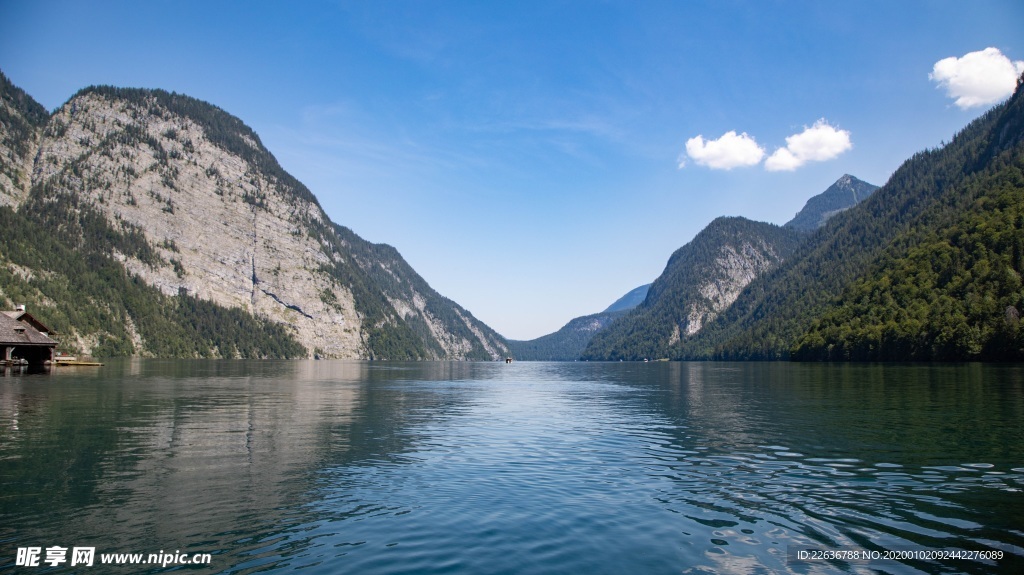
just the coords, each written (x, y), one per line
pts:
(942, 292)
(20, 115)
(925, 199)
(21, 119)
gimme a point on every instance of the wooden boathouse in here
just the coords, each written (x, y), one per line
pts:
(23, 339)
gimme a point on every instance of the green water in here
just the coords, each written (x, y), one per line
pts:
(357, 467)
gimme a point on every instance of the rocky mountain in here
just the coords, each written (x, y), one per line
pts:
(847, 192)
(186, 200)
(629, 301)
(709, 291)
(700, 281)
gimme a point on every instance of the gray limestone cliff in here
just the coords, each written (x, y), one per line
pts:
(227, 224)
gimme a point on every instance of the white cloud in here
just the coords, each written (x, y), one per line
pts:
(978, 78)
(782, 160)
(728, 152)
(817, 143)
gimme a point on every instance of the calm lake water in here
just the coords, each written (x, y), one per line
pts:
(357, 467)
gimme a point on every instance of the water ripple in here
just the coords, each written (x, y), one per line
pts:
(470, 468)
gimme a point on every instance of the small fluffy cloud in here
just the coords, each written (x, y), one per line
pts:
(978, 78)
(817, 143)
(728, 152)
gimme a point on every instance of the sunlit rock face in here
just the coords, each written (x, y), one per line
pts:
(231, 226)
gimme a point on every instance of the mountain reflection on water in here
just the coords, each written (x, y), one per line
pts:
(447, 467)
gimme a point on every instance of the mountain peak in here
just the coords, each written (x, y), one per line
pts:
(845, 193)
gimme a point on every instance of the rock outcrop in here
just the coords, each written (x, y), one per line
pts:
(701, 279)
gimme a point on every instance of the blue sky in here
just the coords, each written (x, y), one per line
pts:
(534, 161)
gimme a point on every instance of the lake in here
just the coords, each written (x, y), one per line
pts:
(438, 467)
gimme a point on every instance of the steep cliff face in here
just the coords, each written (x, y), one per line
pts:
(734, 267)
(707, 275)
(702, 279)
(223, 222)
(223, 229)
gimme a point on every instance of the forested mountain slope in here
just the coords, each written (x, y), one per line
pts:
(949, 291)
(901, 225)
(21, 123)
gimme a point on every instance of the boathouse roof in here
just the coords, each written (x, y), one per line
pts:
(24, 317)
(20, 332)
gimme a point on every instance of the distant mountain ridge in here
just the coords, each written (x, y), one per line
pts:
(146, 223)
(633, 298)
(189, 239)
(568, 342)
